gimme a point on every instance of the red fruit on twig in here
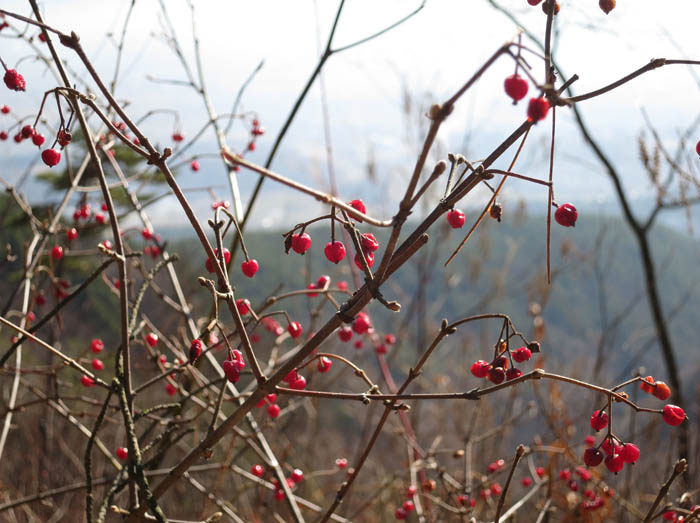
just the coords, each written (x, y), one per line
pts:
(456, 218)
(566, 215)
(537, 109)
(249, 268)
(301, 243)
(516, 87)
(14, 80)
(334, 251)
(673, 415)
(51, 157)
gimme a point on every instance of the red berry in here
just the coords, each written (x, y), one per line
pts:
(669, 515)
(87, 381)
(369, 242)
(522, 354)
(345, 333)
(583, 473)
(57, 252)
(297, 476)
(629, 453)
(249, 268)
(274, 410)
(294, 329)
(96, 345)
(662, 391)
(565, 474)
(178, 137)
(573, 485)
(540, 472)
(210, 265)
(496, 465)
(232, 369)
(251, 146)
(51, 157)
(38, 139)
(324, 364)
(599, 420)
(607, 5)
(42, 37)
(513, 373)
(673, 415)
(100, 218)
(14, 80)
(381, 349)
(342, 285)
(614, 463)
(147, 233)
(411, 491)
(590, 441)
(108, 245)
(71, 234)
(40, 299)
(243, 306)
(456, 218)
(170, 389)
(359, 206)
(122, 453)
(341, 463)
(496, 375)
(533, 2)
(3, 135)
(194, 165)
(334, 251)
(647, 385)
(358, 344)
(4, 109)
(362, 323)
(323, 281)
(152, 339)
(195, 350)
(697, 147)
(257, 470)
(299, 383)
(526, 481)
(516, 87)
(408, 506)
(64, 138)
(311, 294)
(464, 500)
(301, 243)
(566, 215)
(85, 210)
(400, 514)
(537, 109)
(97, 364)
(592, 457)
(480, 368)
(389, 339)
(369, 257)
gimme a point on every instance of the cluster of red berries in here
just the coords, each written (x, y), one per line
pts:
(498, 370)
(255, 131)
(296, 477)
(407, 506)
(321, 284)
(154, 250)
(616, 453)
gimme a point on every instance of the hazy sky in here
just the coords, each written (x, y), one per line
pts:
(428, 57)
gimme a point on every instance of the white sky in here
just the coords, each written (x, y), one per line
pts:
(431, 55)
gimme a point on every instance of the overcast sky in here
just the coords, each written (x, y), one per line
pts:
(429, 57)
